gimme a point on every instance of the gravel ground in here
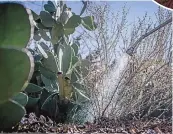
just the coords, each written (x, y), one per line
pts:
(32, 124)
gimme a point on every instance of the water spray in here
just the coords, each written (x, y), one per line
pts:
(107, 90)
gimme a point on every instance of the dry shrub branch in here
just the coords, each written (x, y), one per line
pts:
(143, 89)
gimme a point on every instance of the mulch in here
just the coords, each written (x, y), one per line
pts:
(33, 124)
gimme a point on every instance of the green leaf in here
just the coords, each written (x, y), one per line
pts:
(63, 6)
(11, 113)
(66, 58)
(56, 33)
(48, 74)
(49, 84)
(80, 92)
(47, 19)
(15, 28)
(47, 100)
(75, 63)
(41, 26)
(36, 37)
(32, 88)
(69, 31)
(35, 16)
(44, 46)
(21, 98)
(44, 35)
(75, 60)
(37, 60)
(73, 22)
(44, 95)
(50, 62)
(50, 105)
(46, 81)
(15, 71)
(50, 3)
(75, 48)
(32, 102)
(51, 89)
(55, 85)
(74, 77)
(88, 23)
(42, 51)
(82, 96)
(50, 7)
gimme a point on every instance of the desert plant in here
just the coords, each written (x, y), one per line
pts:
(135, 97)
(61, 70)
(16, 62)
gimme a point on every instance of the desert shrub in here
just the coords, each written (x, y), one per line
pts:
(136, 86)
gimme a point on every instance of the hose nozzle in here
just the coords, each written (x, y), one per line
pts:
(130, 51)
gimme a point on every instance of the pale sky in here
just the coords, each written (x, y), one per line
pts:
(137, 8)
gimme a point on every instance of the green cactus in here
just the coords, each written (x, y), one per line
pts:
(32, 102)
(75, 48)
(67, 58)
(50, 84)
(56, 32)
(74, 77)
(69, 31)
(46, 81)
(71, 24)
(63, 70)
(14, 78)
(32, 88)
(44, 54)
(50, 63)
(47, 73)
(44, 46)
(44, 95)
(37, 35)
(80, 90)
(47, 19)
(75, 61)
(88, 23)
(21, 98)
(44, 35)
(50, 7)
(12, 31)
(50, 105)
(17, 63)
(7, 119)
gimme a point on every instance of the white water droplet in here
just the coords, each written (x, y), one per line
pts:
(109, 84)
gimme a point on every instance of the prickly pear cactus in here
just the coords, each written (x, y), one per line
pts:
(61, 68)
(13, 79)
(8, 119)
(14, 30)
(17, 63)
